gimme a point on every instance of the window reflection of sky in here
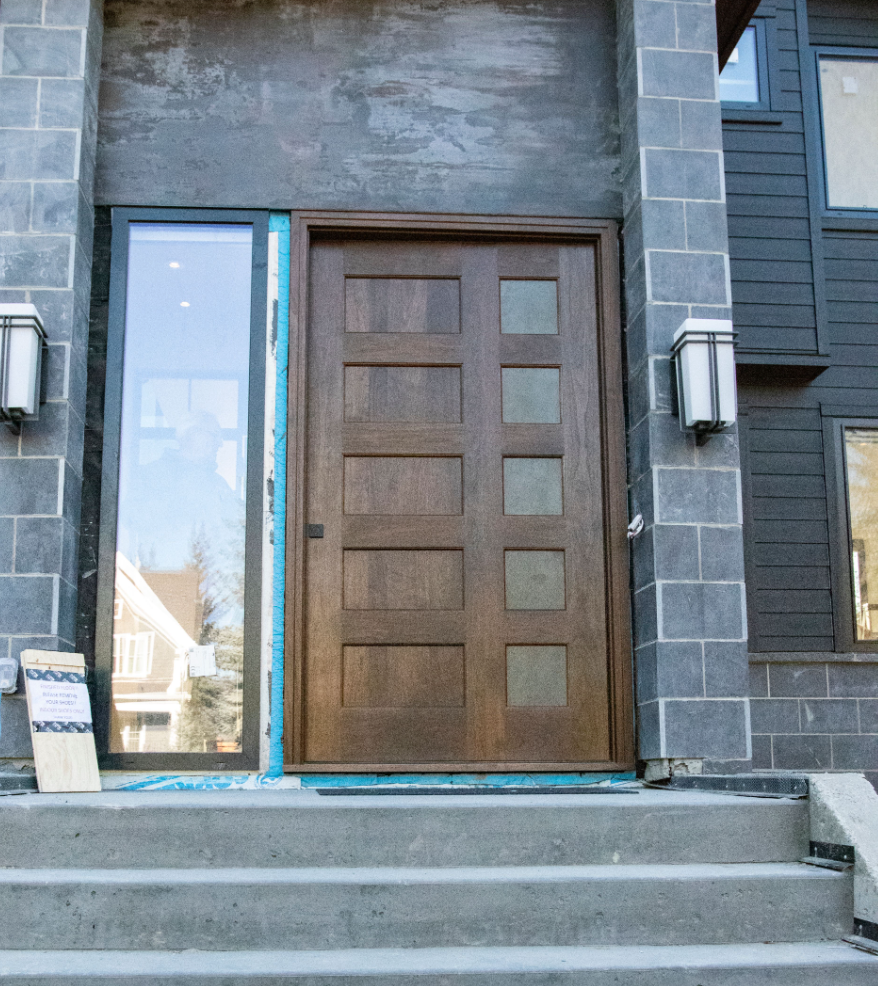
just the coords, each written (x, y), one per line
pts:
(181, 512)
(739, 80)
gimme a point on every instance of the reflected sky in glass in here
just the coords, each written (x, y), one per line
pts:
(178, 610)
(739, 80)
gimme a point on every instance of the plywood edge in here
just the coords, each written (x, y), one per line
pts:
(53, 658)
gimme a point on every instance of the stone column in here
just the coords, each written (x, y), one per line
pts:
(689, 604)
(49, 70)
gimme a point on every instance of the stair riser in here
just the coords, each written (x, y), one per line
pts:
(833, 975)
(282, 915)
(144, 837)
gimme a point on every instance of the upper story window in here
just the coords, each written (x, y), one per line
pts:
(849, 110)
(739, 81)
(861, 457)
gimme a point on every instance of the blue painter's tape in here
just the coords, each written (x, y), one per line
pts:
(279, 222)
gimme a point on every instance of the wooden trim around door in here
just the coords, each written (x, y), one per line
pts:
(603, 235)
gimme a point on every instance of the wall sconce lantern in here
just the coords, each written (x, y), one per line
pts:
(22, 338)
(704, 354)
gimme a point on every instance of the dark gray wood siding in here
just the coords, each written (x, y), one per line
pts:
(768, 208)
(843, 22)
(789, 505)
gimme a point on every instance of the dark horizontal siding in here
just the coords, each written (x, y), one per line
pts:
(843, 22)
(769, 230)
(789, 590)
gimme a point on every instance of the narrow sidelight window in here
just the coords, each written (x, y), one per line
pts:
(861, 455)
(182, 597)
(849, 108)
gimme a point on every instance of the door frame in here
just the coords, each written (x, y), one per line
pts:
(603, 235)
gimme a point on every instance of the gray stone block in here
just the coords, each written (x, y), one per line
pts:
(655, 25)
(688, 278)
(38, 545)
(700, 611)
(649, 731)
(18, 102)
(68, 13)
(34, 51)
(726, 669)
(774, 715)
(868, 715)
(55, 206)
(668, 445)
(645, 677)
(37, 155)
(801, 752)
(52, 432)
(664, 220)
(672, 174)
(30, 486)
(27, 604)
(56, 309)
(697, 496)
(716, 729)
(679, 669)
(21, 11)
(761, 752)
(35, 261)
(829, 715)
(722, 554)
(658, 122)
(696, 27)
(643, 559)
(722, 450)
(15, 206)
(676, 552)
(62, 103)
(797, 680)
(56, 371)
(685, 75)
(645, 616)
(853, 680)
(7, 543)
(758, 681)
(14, 727)
(706, 227)
(854, 752)
(66, 623)
(662, 321)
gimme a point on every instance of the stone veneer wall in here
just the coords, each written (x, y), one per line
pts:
(815, 712)
(689, 604)
(49, 68)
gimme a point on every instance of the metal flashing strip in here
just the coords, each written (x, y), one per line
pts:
(404, 783)
(455, 790)
(752, 785)
(279, 223)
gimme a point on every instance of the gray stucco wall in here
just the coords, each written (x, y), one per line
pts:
(473, 106)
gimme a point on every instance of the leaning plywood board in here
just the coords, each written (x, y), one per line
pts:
(61, 724)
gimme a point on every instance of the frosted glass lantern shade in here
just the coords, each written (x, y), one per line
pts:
(21, 347)
(704, 352)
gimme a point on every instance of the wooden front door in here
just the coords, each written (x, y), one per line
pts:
(455, 610)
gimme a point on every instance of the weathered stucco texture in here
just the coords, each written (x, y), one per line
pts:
(408, 105)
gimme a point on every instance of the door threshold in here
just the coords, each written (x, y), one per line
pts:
(465, 783)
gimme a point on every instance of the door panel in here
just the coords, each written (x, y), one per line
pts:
(455, 608)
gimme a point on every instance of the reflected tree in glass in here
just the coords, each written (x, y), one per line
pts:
(861, 453)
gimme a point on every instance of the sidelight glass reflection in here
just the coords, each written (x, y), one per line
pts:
(861, 453)
(177, 680)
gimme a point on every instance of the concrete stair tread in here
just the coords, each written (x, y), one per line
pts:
(796, 956)
(402, 875)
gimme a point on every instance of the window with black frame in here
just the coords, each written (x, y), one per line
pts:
(182, 598)
(743, 82)
(861, 460)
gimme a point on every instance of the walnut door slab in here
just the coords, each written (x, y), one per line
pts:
(455, 611)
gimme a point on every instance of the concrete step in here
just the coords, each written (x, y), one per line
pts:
(301, 828)
(802, 964)
(391, 907)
